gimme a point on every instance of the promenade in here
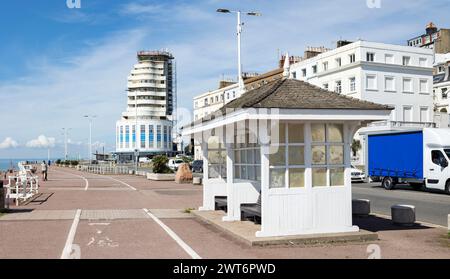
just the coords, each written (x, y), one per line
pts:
(83, 215)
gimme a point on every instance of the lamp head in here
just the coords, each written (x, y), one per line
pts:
(223, 11)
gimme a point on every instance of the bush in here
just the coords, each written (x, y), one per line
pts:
(160, 164)
(74, 163)
(58, 162)
(187, 160)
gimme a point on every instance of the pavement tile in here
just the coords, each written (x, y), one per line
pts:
(113, 214)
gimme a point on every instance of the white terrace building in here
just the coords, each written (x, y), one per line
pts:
(442, 83)
(398, 76)
(211, 101)
(287, 152)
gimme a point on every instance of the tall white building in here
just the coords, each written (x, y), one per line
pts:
(146, 125)
(399, 76)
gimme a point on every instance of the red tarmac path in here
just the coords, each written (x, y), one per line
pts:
(113, 224)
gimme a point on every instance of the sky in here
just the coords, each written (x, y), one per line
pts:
(58, 64)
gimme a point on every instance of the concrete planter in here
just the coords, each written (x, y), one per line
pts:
(197, 181)
(131, 172)
(141, 173)
(161, 176)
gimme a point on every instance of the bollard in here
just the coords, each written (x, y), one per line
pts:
(403, 214)
(361, 207)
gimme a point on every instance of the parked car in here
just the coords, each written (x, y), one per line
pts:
(144, 160)
(358, 175)
(197, 166)
(174, 164)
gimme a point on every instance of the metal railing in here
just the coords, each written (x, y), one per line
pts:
(21, 188)
(402, 124)
(101, 169)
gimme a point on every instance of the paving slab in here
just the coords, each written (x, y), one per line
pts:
(171, 213)
(113, 214)
(33, 239)
(245, 232)
(39, 215)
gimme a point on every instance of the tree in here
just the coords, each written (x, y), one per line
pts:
(187, 150)
(160, 164)
(356, 146)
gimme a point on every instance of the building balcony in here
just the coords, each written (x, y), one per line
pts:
(146, 93)
(146, 84)
(147, 102)
(393, 125)
(144, 114)
(147, 76)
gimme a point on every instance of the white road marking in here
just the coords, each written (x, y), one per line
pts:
(117, 180)
(126, 184)
(174, 236)
(79, 176)
(70, 238)
(87, 182)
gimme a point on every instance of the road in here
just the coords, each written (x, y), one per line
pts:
(431, 207)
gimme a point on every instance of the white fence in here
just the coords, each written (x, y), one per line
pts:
(100, 169)
(23, 186)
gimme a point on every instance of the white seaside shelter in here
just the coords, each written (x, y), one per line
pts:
(287, 143)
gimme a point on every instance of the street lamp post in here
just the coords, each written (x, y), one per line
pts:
(240, 24)
(91, 119)
(66, 131)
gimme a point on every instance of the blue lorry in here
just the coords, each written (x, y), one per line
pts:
(418, 157)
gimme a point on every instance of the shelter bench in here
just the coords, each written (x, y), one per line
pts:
(221, 203)
(251, 211)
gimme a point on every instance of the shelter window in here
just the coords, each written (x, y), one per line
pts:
(247, 156)
(327, 155)
(287, 157)
(216, 158)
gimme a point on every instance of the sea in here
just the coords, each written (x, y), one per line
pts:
(6, 164)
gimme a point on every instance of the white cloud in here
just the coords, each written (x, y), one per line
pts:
(138, 8)
(8, 143)
(98, 144)
(72, 142)
(41, 142)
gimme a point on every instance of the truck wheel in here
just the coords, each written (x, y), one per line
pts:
(388, 183)
(447, 188)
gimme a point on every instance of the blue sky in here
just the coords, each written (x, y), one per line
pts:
(58, 64)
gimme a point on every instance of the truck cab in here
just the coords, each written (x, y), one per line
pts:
(437, 159)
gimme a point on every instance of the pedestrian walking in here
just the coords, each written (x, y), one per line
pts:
(44, 169)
